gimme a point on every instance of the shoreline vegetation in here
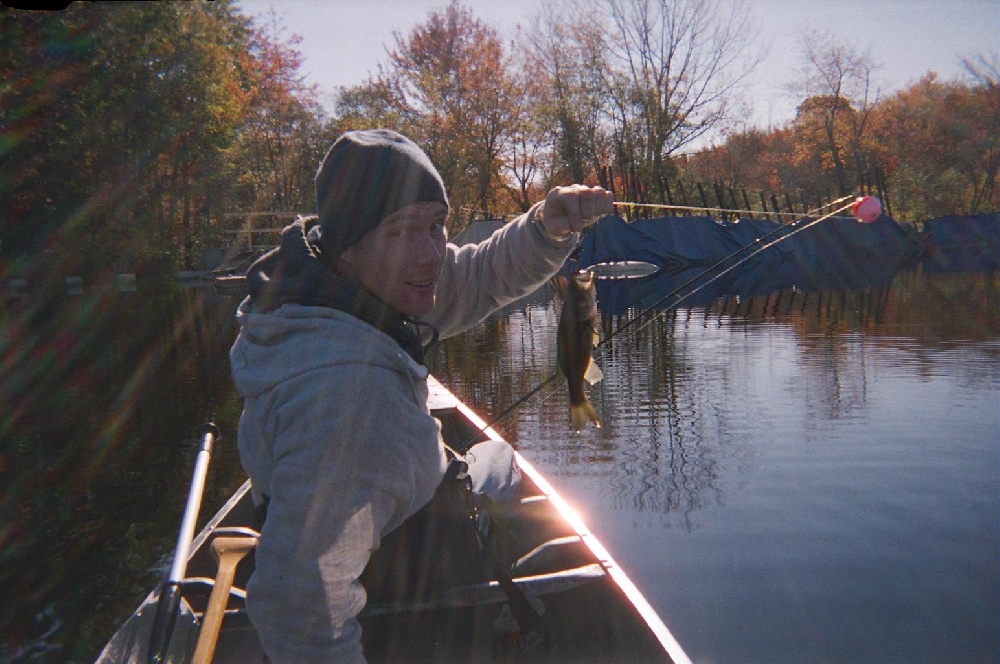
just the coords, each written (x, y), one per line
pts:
(125, 156)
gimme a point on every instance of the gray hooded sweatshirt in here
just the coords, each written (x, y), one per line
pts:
(336, 432)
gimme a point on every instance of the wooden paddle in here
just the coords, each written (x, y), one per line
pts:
(229, 551)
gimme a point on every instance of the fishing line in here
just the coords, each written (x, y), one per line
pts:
(757, 247)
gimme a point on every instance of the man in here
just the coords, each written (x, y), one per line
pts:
(335, 432)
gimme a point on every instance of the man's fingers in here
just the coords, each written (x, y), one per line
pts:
(574, 214)
(571, 209)
(595, 203)
(590, 206)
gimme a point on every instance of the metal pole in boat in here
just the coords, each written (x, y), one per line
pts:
(170, 593)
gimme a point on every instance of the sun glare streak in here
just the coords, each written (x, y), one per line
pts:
(635, 596)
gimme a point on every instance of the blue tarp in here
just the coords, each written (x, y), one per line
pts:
(674, 244)
(962, 243)
(704, 259)
(697, 287)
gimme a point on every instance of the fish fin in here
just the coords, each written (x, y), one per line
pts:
(559, 281)
(597, 339)
(579, 414)
(594, 373)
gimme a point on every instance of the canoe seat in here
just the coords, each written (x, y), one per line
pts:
(203, 585)
(555, 554)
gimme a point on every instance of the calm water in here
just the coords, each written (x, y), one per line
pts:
(103, 394)
(798, 477)
(791, 477)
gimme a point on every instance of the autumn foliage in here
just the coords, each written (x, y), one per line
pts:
(126, 153)
(128, 131)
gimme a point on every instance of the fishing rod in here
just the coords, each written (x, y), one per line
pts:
(865, 209)
(692, 208)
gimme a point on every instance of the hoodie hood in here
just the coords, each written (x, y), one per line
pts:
(281, 345)
(295, 273)
(301, 316)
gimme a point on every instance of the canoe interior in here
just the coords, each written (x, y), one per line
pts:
(590, 619)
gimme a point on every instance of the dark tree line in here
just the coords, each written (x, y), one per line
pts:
(128, 131)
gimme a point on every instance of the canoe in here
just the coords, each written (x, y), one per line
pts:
(590, 610)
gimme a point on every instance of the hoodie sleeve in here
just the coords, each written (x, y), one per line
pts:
(476, 280)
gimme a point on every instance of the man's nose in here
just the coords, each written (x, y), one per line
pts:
(429, 249)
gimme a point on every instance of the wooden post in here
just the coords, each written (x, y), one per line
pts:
(883, 192)
(733, 205)
(718, 194)
(683, 192)
(763, 206)
(704, 201)
(249, 230)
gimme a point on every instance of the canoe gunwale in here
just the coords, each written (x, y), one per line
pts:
(621, 579)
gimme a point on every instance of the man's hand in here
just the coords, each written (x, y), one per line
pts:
(570, 209)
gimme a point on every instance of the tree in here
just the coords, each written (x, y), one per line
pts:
(940, 147)
(122, 154)
(823, 130)
(832, 123)
(674, 67)
(282, 136)
(121, 136)
(527, 157)
(754, 159)
(448, 81)
(565, 66)
(448, 86)
(376, 102)
(985, 72)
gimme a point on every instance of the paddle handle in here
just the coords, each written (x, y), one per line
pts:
(229, 551)
(193, 506)
(170, 594)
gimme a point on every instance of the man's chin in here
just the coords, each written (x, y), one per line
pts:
(418, 307)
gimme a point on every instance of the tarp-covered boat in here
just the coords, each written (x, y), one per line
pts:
(962, 243)
(674, 244)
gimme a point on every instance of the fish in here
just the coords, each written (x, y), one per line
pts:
(576, 337)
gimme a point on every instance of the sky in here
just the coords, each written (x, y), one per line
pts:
(345, 40)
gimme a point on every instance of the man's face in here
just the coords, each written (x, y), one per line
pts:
(400, 260)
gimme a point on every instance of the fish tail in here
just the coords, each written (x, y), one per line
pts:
(580, 413)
